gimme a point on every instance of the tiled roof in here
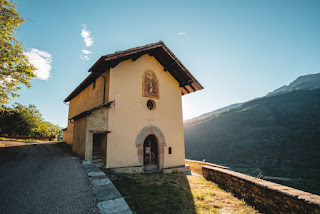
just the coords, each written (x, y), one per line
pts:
(159, 50)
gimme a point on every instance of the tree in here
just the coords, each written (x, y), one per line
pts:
(15, 68)
(26, 121)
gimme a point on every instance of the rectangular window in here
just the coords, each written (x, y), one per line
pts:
(170, 151)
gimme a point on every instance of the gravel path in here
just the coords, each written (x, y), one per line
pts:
(43, 178)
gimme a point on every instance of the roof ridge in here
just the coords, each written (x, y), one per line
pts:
(135, 48)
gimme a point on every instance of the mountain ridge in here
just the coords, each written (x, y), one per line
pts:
(277, 135)
(302, 82)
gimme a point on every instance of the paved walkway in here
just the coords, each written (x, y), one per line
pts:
(43, 178)
(110, 200)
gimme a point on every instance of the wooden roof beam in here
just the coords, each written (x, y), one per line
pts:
(151, 53)
(114, 64)
(188, 87)
(195, 86)
(134, 58)
(166, 67)
(184, 91)
(192, 87)
(186, 83)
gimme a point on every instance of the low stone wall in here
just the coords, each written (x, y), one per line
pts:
(267, 196)
(196, 166)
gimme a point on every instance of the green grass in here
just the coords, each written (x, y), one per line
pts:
(24, 140)
(175, 193)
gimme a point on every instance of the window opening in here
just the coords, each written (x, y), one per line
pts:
(151, 104)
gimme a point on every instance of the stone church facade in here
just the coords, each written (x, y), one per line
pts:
(127, 114)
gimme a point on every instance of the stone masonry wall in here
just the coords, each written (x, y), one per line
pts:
(268, 197)
(196, 166)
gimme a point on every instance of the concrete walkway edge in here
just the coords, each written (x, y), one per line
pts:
(110, 201)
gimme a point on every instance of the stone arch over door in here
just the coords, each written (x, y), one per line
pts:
(143, 134)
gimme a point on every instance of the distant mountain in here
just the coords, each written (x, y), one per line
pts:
(302, 82)
(212, 113)
(276, 135)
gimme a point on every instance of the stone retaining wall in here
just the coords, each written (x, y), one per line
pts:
(266, 196)
(196, 166)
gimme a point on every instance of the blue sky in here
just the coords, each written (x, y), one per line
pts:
(238, 50)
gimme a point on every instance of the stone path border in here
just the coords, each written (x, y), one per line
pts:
(110, 201)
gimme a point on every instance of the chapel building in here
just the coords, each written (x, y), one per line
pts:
(127, 114)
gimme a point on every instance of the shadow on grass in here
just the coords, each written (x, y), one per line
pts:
(155, 193)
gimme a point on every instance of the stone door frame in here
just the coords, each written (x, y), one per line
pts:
(143, 134)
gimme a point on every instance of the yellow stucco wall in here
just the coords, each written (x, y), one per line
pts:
(130, 114)
(65, 136)
(88, 98)
(80, 127)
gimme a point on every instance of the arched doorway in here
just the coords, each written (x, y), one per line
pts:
(161, 144)
(150, 153)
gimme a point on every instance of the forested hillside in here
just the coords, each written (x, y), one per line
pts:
(276, 135)
(26, 121)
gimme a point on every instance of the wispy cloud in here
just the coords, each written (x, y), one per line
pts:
(182, 33)
(86, 52)
(41, 60)
(84, 57)
(86, 35)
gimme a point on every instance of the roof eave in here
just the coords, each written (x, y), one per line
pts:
(96, 64)
(133, 52)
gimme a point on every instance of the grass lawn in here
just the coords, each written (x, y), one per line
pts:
(6, 142)
(24, 140)
(175, 193)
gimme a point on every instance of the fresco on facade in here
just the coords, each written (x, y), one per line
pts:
(150, 85)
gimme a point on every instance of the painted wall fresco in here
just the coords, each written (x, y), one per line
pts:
(150, 85)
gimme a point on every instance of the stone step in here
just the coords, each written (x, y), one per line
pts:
(97, 160)
(96, 152)
(95, 156)
(99, 164)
